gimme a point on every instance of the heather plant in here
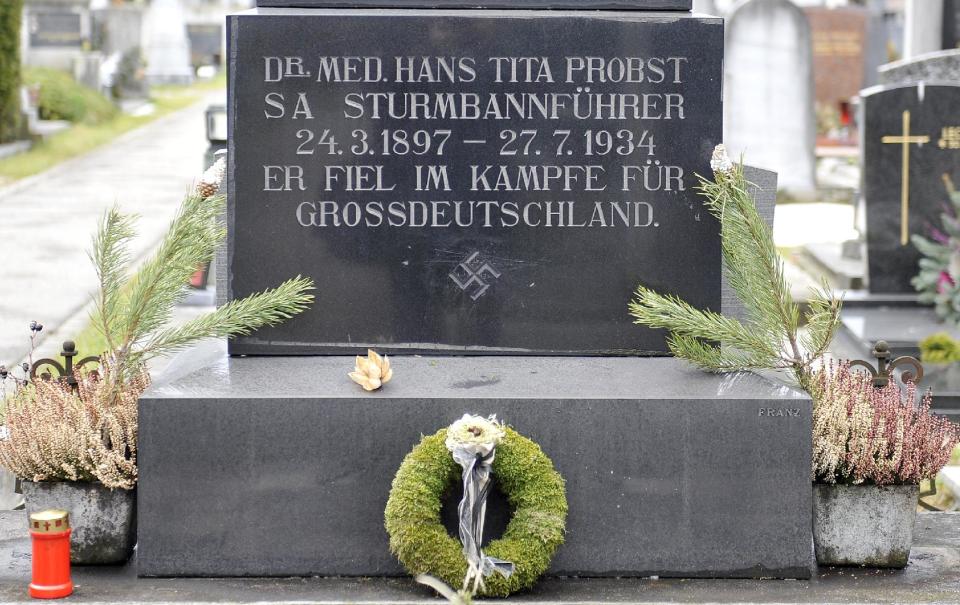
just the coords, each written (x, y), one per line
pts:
(875, 435)
(57, 433)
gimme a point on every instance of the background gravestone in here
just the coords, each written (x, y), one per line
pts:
(923, 27)
(951, 24)
(51, 28)
(166, 48)
(768, 91)
(55, 33)
(707, 7)
(839, 52)
(911, 140)
(489, 256)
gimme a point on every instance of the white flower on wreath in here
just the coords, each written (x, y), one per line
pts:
(475, 434)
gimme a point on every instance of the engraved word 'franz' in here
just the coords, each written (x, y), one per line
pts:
(779, 412)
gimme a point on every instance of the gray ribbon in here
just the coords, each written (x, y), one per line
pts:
(473, 508)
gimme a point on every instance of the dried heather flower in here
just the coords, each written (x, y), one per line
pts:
(54, 433)
(863, 434)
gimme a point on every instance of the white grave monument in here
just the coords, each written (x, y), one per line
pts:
(923, 27)
(166, 46)
(768, 91)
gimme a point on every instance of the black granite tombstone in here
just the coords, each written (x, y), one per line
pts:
(951, 24)
(911, 140)
(472, 181)
(683, 5)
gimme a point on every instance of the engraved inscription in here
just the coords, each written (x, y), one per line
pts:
(779, 412)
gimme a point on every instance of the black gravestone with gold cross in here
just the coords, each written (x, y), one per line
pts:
(911, 139)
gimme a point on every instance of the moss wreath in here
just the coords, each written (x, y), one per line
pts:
(523, 473)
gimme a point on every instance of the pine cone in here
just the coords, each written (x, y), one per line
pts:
(205, 190)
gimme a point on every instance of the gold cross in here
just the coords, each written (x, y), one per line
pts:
(905, 140)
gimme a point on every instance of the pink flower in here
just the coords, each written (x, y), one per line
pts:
(944, 282)
(939, 236)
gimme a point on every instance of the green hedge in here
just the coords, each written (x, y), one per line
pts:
(11, 120)
(62, 98)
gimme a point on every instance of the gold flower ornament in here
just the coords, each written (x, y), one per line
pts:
(371, 372)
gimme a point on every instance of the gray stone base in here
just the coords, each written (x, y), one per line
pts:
(282, 466)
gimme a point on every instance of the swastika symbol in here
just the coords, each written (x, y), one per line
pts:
(469, 275)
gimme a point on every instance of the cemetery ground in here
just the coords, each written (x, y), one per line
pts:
(82, 137)
(933, 576)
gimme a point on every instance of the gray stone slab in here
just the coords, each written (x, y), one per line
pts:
(282, 466)
(941, 66)
(830, 260)
(764, 191)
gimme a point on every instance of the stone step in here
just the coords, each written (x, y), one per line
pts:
(669, 470)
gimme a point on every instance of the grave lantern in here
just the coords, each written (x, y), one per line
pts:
(50, 534)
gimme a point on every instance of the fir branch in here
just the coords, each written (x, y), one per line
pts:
(823, 321)
(753, 266)
(134, 313)
(238, 317)
(191, 240)
(683, 319)
(714, 358)
(770, 336)
(111, 258)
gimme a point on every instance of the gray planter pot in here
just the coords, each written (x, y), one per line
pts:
(104, 521)
(865, 525)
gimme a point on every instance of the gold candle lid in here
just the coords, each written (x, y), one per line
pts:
(50, 521)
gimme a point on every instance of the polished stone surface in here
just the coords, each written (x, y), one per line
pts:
(627, 5)
(903, 327)
(506, 283)
(282, 466)
(931, 153)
